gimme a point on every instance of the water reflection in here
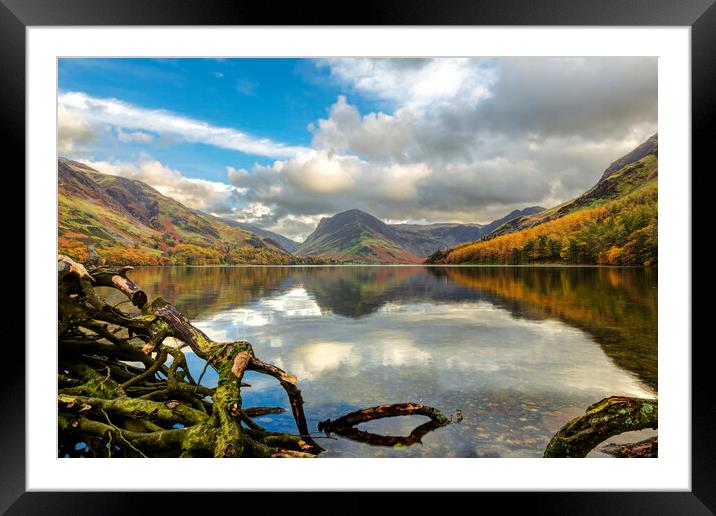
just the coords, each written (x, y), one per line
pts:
(518, 350)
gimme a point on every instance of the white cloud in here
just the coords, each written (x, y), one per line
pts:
(415, 83)
(397, 168)
(494, 135)
(136, 136)
(246, 86)
(198, 194)
(375, 136)
(319, 182)
(103, 111)
(73, 130)
(252, 213)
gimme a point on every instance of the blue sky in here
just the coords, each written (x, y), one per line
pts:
(273, 98)
(283, 142)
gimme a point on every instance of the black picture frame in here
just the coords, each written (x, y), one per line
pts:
(700, 15)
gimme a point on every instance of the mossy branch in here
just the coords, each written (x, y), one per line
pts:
(96, 341)
(602, 420)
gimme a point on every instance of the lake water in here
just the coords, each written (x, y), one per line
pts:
(518, 350)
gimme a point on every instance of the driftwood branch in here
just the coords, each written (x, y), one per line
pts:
(345, 425)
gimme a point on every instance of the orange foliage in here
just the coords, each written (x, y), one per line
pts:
(499, 249)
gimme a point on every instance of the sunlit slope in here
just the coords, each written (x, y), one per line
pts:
(613, 223)
(129, 222)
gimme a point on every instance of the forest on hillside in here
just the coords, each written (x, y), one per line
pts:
(619, 232)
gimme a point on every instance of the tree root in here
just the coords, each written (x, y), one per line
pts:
(344, 426)
(648, 448)
(602, 420)
(156, 409)
(118, 397)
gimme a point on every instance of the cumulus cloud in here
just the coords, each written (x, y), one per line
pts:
(377, 136)
(320, 183)
(74, 131)
(113, 112)
(581, 101)
(209, 196)
(416, 83)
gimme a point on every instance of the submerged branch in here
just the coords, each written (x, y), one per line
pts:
(344, 425)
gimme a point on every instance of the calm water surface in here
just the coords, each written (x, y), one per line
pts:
(519, 351)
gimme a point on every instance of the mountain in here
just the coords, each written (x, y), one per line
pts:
(358, 237)
(516, 214)
(129, 222)
(425, 239)
(285, 243)
(648, 147)
(614, 223)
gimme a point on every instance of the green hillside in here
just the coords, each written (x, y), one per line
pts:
(354, 236)
(130, 223)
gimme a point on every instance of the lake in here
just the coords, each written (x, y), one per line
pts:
(517, 350)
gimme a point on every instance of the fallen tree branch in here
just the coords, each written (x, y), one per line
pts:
(381, 411)
(345, 425)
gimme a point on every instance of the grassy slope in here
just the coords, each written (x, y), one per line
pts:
(614, 223)
(354, 236)
(359, 246)
(128, 222)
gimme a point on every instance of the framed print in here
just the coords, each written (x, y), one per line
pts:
(427, 240)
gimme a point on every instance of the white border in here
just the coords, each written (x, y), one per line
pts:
(670, 471)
